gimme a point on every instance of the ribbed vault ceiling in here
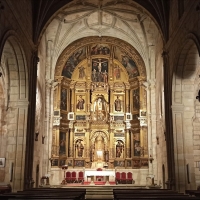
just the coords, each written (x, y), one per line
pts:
(125, 20)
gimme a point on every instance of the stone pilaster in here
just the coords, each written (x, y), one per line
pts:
(168, 121)
(31, 122)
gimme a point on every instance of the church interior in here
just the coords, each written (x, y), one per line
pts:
(109, 85)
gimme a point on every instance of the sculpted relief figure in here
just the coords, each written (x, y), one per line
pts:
(80, 103)
(117, 104)
(79, 147)
(119, 149)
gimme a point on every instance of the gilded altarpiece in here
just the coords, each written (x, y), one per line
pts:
(99, 99)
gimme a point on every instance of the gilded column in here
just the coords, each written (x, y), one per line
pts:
(87, 135)
(72, 97)
(132, 144)
(71, 147)
(127, 98)
(111, 98)
(111, 151)
(67, 143)
(88, 97)
(127, 136)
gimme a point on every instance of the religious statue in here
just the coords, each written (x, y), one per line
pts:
(98, 105)
(117, 104)
(80, 103)
(119, 149)
(137, 148)
(80, 148)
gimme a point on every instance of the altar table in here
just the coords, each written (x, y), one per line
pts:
(106, 173)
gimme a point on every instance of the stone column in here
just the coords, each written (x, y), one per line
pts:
(31, 121)
(47, 131)
(149, 124)
(168, 120)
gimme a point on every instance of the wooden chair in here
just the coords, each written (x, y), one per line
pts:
(129, 178)
(73, 177)
(123, 177)
(99, 178)
(68, 177)
(117, 177)
(80, 177)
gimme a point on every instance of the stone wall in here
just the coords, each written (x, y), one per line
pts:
(183, 65)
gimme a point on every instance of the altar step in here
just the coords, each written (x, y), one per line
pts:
(99, 193)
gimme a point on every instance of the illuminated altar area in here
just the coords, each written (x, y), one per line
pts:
(100, 115)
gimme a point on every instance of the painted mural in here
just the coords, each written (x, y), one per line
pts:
(127, 62)
(63, 99)
(100, 49)
(73, 61)
(117, 72)
(62, 149)
(100, 70)
(136, 100)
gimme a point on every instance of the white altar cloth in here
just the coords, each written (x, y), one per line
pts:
(99, 173)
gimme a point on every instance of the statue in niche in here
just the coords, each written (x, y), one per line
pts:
(137, 148)
(100, 109)
(79, 147)
(99, 104)
(99, 142)
(117, 104)
(119, 149)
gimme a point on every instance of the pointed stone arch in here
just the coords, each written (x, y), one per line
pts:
(14, 82)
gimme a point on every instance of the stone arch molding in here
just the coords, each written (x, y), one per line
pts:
(191, 44)
(193, 40)
(184, 106)
(130, 50)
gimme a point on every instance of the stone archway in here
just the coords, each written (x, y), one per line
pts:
(14, 83)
